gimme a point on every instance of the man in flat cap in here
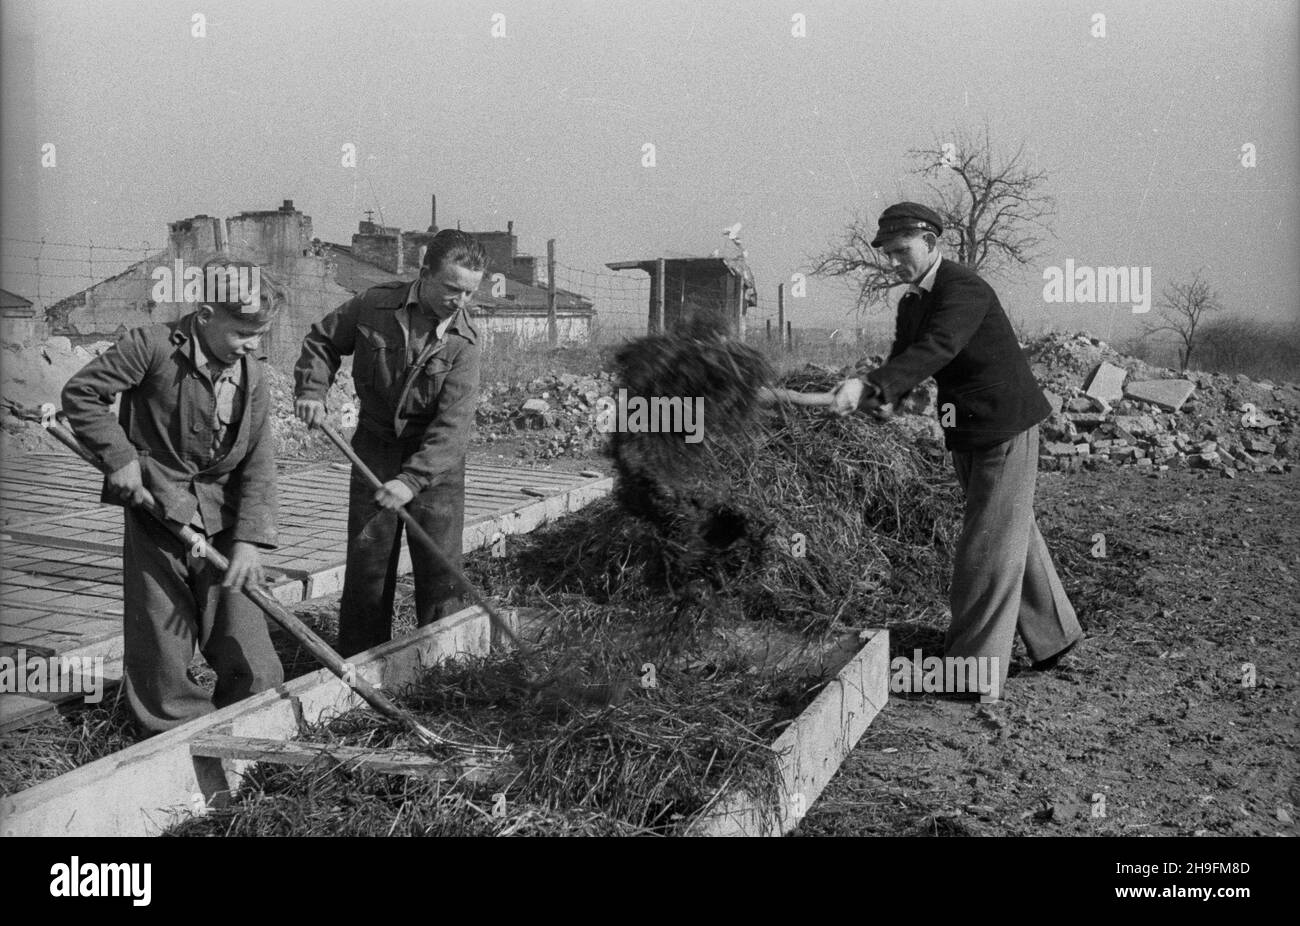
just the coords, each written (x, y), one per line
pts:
(951, 326)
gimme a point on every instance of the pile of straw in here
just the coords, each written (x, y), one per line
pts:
(650, 765)
(783, 514)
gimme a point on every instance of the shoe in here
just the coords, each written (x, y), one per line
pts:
(959, 696)
(1050, 662)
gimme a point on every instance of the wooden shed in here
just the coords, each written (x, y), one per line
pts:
(687, 290)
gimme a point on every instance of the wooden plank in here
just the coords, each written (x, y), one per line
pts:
(75, 515)
(506, 496)
(388, 761)
(517, 472)
(811, 749)
(147, 787)
(528, 517)
(59, 543)
(17, 710)
(59, 583)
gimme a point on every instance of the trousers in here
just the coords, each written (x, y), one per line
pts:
(1003, 578)
(375, 547)
(172, 603)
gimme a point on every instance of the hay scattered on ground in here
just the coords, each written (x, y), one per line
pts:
(53, 746)
(650, 764)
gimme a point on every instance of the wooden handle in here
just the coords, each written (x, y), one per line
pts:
(814, 399)
(415, 530)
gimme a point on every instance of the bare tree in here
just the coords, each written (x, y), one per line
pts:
(1182, 308)
(995, 214)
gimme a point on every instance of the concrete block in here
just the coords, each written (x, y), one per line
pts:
(1168, 394)
(1105, 382)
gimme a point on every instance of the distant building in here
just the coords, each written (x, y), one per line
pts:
(718, 291)
(317, 277)
(278, 240)
(512, 301)
(18, 321)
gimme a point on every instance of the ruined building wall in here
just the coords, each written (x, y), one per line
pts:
(275, 240)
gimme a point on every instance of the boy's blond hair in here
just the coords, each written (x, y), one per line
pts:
(241, 289)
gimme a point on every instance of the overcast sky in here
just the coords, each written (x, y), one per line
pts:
(1141, 131)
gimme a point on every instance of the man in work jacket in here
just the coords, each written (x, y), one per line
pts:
(951, 326)
(416, 367)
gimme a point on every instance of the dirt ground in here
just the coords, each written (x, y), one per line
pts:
(1152, 726)
(1147, 728)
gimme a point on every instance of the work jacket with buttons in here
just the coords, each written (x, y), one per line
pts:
(429, 403)
(166, 420)
(959, 334)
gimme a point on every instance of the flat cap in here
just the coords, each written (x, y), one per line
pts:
(906, 217)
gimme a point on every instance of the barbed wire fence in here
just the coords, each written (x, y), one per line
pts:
(47, 271)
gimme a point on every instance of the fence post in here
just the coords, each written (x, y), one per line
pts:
(552, 324)
(780, 314)
(657, 297)
(789, 336)
(768, 325)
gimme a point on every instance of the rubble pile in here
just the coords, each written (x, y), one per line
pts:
(549, 417)
(1109, 409)
(553, 415)
(30, 376)
(293, 439)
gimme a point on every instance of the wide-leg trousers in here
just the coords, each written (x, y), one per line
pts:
(1003, 577)
(375, 547)
(171, 603)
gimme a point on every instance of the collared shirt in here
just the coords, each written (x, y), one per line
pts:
(926, 282)
(226, 382)
(416, 324)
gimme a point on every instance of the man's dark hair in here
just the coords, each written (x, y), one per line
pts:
(457, 247)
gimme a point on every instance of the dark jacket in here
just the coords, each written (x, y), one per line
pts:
(959, 334)
(432, 401)
(166, 421)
